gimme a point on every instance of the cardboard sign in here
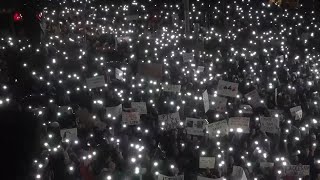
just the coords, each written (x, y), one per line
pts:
(246, 109)
(206, 162)
(119, 74)
(95, 82)
(226, 88)
(114, 111)
(71, 134)
(297, 170)
(131, 118)
(140, 107)
(238, 173)
(206, 102)
(254, 99)
(187, 57)
(153, 71)
(218, 104)
(171, 121)
(269, 124)
(239, 124)
(195, 126)
(205, 178)
(220, 126)
(132, 17)
(296, 112)
(171, 88)
(163, 177)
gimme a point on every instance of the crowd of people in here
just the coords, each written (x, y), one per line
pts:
(123, 90)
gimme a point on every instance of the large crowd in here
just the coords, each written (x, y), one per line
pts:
(131, 90)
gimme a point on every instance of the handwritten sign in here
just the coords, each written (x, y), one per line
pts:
(140, 107)
(220, 127)
(254, 99)
(195, 126)
(171, 88)
(206, 162)
(205, 178)
(206, 102)
(71, 134)
(296, 112)
(239, 124)
(238, 173)
(226, 88)
(114, 111)
(218, 103)
(153, 71)
(269, 124)
(95, 82)
(119, 74)
(187, 57)
(297, 170)
(246, 109)
(163, 177)
(131, 118)
(169, 121)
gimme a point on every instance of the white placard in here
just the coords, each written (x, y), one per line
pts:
(187, 57)
(95, 82)
(119, 74)
(196, 126)
(163, 177)
(205, 178)
(297, 170)
(132, 17)
(238, 173)
(131, 118)
(206, 162)
(216, 127)
(239, 124)
(71, 134)
(226, 88)
(171, 88)
(269, 124)
(246, 109)
(206, 102)
(114, 111)
(296, 112)
(254, 99)
(140, 107)
(218, 103)
(169, 121)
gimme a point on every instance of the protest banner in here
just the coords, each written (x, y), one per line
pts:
(206, 102)
(254, 99)
(132, 17)
(246, 109)
(71, 134)
(153, 71)
(119, 74)
(220, 126)
(296, 112)
(114, 111)
(206, 162)
(218, 103)
(171, 121)
(163, 177)
(205, 178)
(238, 173)
(131, 118)
(140, 107)
(269, 124)
(195, 126)
(171, 88)
(187, 57)
(297, 170)
(95, 82)
(239, 124)
(226, 88)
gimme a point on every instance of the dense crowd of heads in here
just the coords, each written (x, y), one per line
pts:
(125, 91)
